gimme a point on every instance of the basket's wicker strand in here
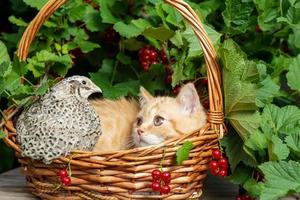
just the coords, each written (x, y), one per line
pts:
(126, 174)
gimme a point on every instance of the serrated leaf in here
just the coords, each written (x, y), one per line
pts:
(42, 89)
(135, 28)
(244, 122)
(257, 141)
(36, 4)
(237, 15)
(266, 92)
(5, 69)
(161, 33)
(78, 12)
(93, 21)
(252, 187)
(87, 46)
(183, 152)
(3, 53)
(106, 14)
(293, 142)
(194, 45)
(17, 21)
(177, 39)
(277, 149)
(292, 76)
(277, 120)
(281, 178)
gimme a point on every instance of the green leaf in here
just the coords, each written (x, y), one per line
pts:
(106, 14)
(293, 74)
(239, 89)
(265, 94)
(79, 11)
(252, 187)
(3, 53)
(257, 141)
(183, 152)
(277, 149)
(36, 4)
(177, 39)
(281, 178)
(2, 134)
(135, 28)
(293, 142)
(237, 15)
(240, 175)
(194, 45)
(5, 69)
(244, 122)
(234, 149)
(17, 21)
(126, 60)
(87, 46)
(277, 120)
(93, 21)
(161, 33)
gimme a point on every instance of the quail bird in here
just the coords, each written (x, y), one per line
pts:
(60, 121)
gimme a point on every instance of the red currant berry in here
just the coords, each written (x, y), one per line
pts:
(66, 181)
(165, 189)
(153, 56)
(166, 177)
(213, 165)
(176, 90)
(164, 57)
(156, 174)
(216, 153)
(238, 198)
(156, 181)
(222, 173)
(223, 163)
(214, 171)
(204, 81)
(169, 79)
(155, 186)
(63, 173)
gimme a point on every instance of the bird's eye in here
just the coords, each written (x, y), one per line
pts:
(158, 120)
(83, 82)
(139, 121)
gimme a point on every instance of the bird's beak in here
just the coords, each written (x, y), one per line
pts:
(96, 89)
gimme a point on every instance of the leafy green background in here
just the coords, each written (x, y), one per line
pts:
(257, 44)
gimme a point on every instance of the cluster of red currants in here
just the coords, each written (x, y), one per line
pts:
(147, 56)
(244, 197)
(64, 177)
(219, 164)
(160, 181)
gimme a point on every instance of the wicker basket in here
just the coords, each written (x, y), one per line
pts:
(127, 174)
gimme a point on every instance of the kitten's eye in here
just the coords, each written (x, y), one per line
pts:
(139, 121)
(83, 82)
(158, 120)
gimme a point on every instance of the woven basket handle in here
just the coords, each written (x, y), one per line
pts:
(215, 114)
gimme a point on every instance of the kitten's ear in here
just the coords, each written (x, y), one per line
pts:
(145, 96)
(188, 98)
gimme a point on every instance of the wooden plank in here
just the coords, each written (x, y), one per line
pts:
(13, 187)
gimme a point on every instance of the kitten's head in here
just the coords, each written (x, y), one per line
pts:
(162, 118)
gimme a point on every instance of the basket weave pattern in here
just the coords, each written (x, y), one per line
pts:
(126, 174)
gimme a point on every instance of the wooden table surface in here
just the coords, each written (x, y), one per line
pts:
(13, 187)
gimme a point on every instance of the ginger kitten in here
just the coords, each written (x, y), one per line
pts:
(162, 118)
(117, 119)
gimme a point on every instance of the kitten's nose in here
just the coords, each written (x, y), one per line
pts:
(140, 132)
